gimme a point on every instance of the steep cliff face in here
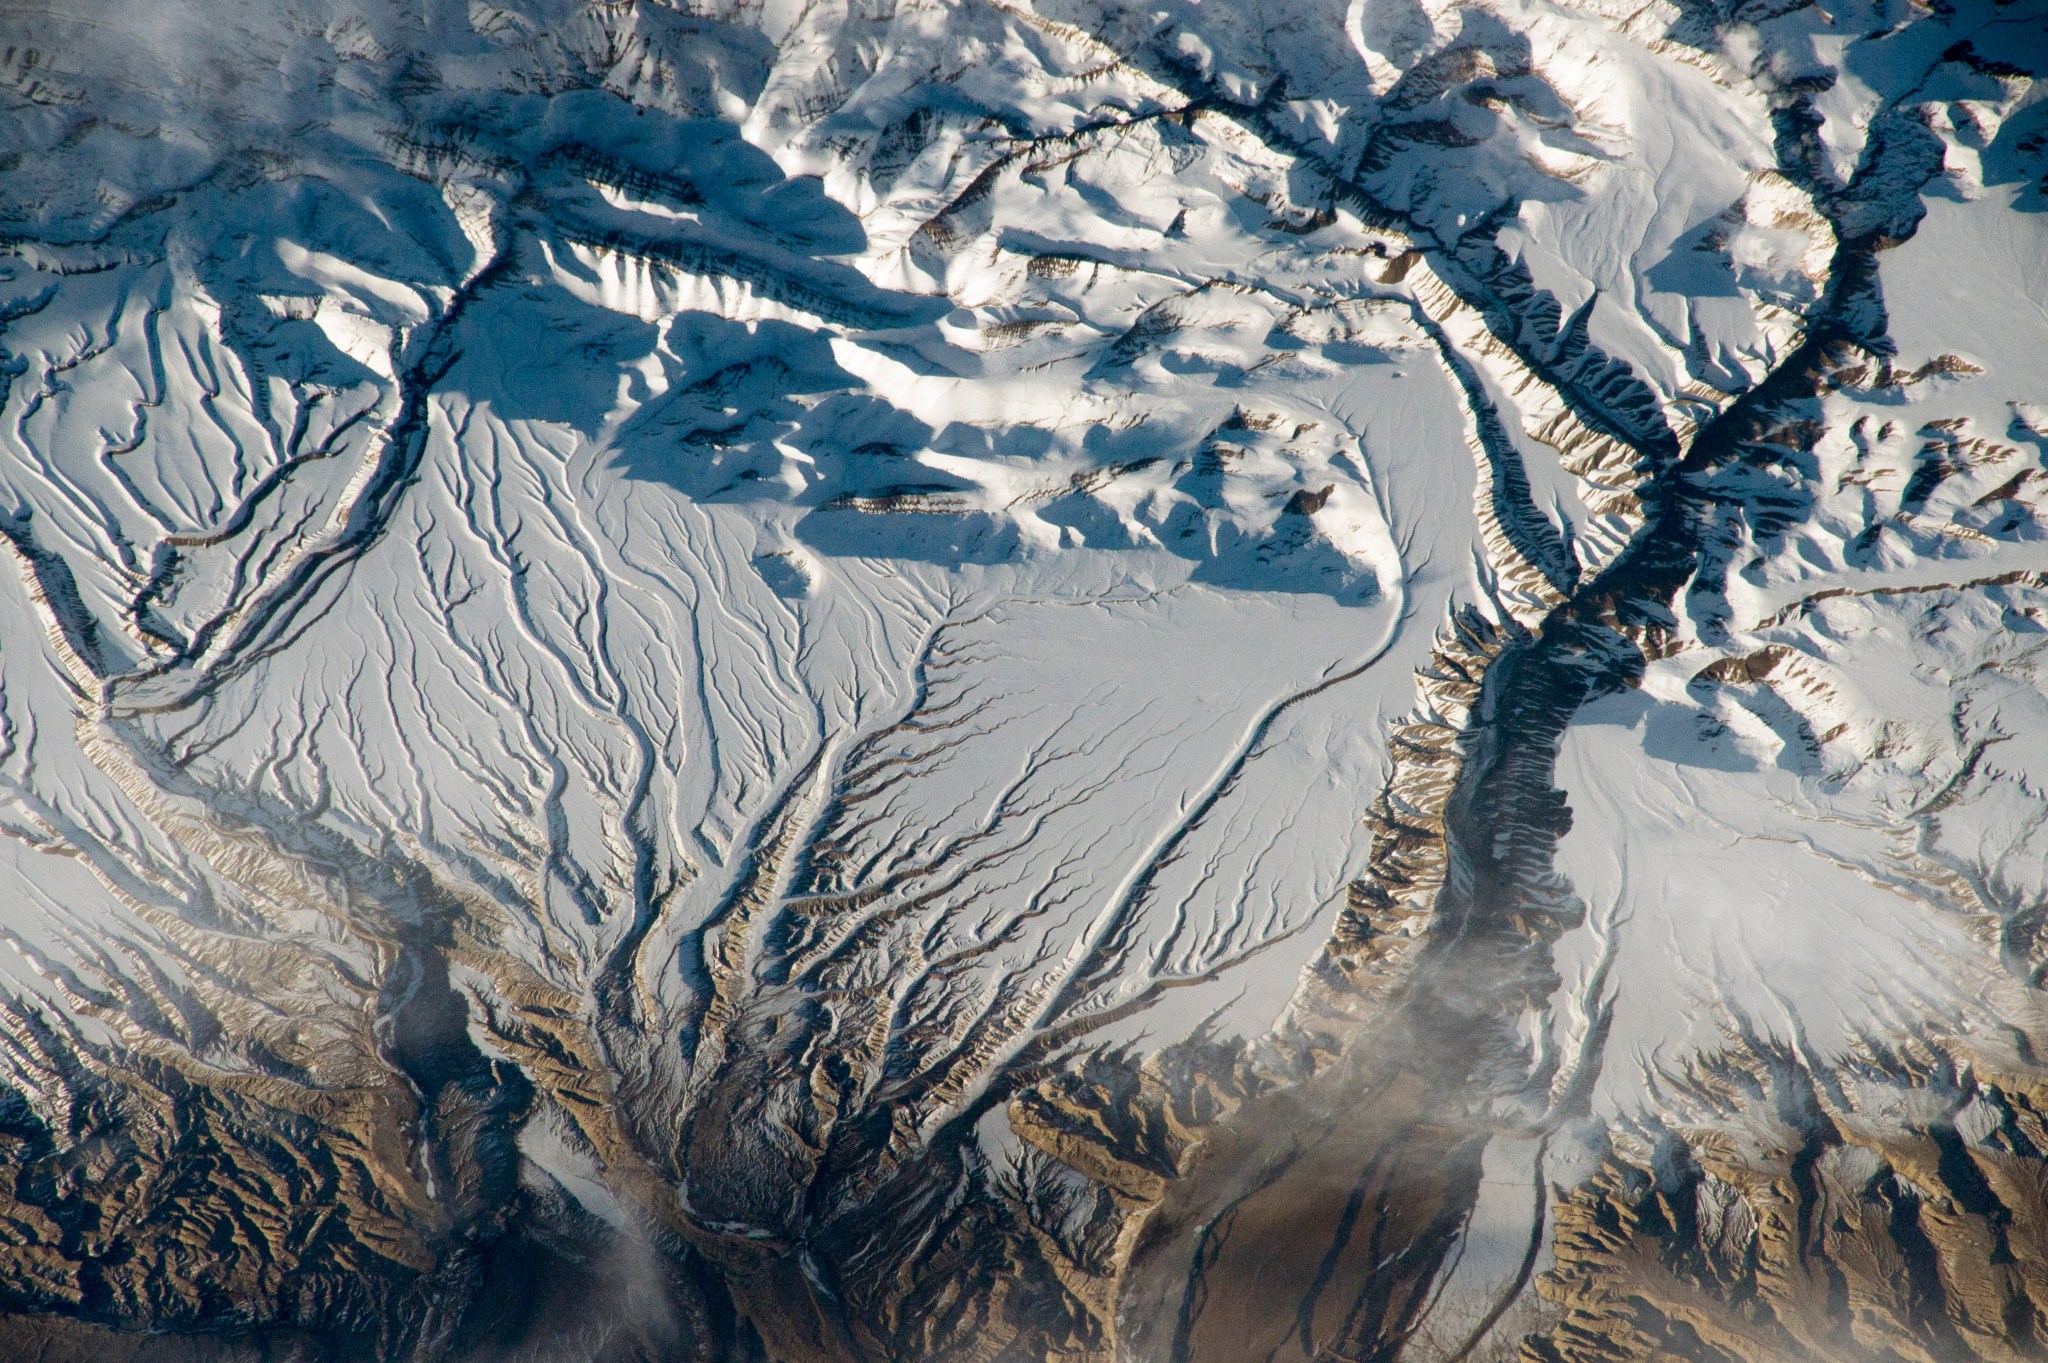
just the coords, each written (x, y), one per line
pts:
(1005, 682)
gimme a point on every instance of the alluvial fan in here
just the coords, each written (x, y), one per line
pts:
(905, 680)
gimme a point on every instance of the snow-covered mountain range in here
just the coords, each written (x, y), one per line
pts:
(982, 679)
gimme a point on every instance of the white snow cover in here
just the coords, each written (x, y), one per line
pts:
(535, 462)
(1842, 838)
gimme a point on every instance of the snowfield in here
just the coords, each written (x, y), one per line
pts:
(985, 680)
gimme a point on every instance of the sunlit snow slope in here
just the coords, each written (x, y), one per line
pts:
(997, 681)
